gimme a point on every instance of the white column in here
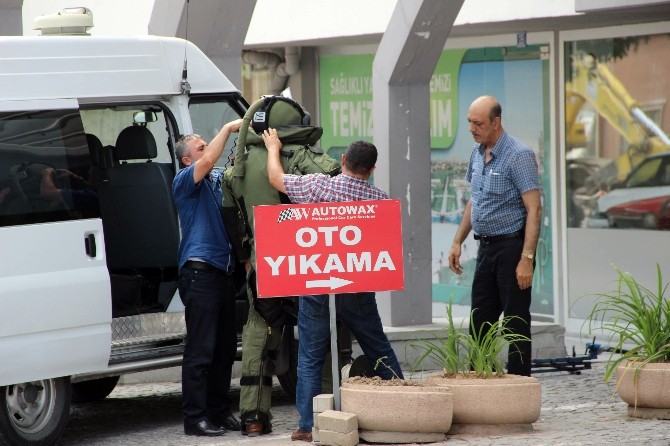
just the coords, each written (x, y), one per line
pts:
(401, 72)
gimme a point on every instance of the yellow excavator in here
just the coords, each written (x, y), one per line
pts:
(595, 84)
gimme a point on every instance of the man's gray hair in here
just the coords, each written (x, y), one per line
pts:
(181, 148)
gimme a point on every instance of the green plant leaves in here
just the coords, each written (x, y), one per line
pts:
(634, 316)
(458, 352)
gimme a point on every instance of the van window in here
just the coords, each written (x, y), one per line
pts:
(209, 114)
(108, 122)
(45, 168)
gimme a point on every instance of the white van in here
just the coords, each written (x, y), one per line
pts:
(88, 229)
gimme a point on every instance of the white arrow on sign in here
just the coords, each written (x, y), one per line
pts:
(332, 283)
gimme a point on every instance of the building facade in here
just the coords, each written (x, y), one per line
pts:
(584, 83)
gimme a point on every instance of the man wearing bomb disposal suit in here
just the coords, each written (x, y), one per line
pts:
(248, 184)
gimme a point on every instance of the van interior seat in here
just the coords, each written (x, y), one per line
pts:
(101, 156)
(94, 148)
(135, 143)
(138, 213)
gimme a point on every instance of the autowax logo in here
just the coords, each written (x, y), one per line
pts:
(326, 212)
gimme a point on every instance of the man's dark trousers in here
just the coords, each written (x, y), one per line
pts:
(211, 343)
(495, 291)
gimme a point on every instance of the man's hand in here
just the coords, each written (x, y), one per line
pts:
(4, 192)
(48, 174)
(48, 189)
(455, 258)
(275, 170)
(524, 273)
(234, 126)
(271, 140)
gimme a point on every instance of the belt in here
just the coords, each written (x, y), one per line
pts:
(495, 238)
(204, 266)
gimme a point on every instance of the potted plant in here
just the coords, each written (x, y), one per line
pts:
(486, 399)
(397, 410)
(638, 322)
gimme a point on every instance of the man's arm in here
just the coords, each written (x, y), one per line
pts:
(524, 271)
(214, 150)
(531, 200)
(275, 170)
(461, 234)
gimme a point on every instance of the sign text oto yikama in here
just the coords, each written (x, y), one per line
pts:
(328, 248)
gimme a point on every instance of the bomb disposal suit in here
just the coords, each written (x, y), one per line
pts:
(248, 184)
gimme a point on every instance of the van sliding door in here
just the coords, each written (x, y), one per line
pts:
(55, 305)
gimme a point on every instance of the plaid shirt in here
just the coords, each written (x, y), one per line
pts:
(497, 186)
(318, 187)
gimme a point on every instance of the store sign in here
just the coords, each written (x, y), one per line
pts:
(324, 248)
(345, 97)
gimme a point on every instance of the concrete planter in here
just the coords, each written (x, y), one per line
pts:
(647, 393)
(398, 413)
(489, 406)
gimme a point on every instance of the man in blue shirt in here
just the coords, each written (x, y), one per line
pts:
(504, 212)
(206, 288)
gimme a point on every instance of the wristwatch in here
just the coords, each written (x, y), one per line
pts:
(529, 255)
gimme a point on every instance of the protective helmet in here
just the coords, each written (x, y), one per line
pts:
(278, 111)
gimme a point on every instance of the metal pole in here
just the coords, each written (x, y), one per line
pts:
(334, 353)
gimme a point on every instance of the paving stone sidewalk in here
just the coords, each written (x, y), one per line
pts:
(576, 410)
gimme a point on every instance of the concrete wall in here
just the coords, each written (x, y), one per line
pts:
(10, 17)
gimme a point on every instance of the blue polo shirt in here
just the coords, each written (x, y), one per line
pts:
(203, 235)
(497, 186)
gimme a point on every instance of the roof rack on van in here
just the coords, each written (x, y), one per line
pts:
(68, 22)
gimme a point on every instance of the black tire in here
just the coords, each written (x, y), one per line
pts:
(289, 380)
(93, 390)
(35, 413)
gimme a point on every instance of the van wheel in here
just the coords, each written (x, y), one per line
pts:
(289, 380)
(35, 413)
(93, 390)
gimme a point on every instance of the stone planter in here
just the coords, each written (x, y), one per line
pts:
(490, 406)
(398, 413)
(647, 394)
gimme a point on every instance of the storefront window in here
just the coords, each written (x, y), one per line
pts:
(518, 78)
(616, 124)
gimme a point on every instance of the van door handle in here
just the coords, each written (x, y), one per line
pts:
(89, 242)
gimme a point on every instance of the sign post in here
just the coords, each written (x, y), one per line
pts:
(334, 354)
(328, 248)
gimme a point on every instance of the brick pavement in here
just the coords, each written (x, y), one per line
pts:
(576, 410)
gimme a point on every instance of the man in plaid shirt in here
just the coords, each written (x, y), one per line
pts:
(358, 311)
(348, 186)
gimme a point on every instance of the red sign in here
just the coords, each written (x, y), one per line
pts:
(325, 248)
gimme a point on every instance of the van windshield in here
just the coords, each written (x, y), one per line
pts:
(209, 114)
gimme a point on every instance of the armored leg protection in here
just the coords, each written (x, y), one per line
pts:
(256, 381)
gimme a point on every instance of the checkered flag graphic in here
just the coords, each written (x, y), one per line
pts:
(288, 214)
